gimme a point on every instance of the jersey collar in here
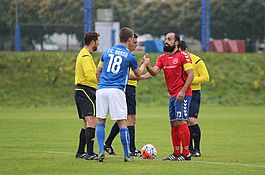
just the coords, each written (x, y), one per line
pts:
(176, 52)
(121, 45)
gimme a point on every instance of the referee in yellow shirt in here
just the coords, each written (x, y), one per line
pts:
(200, 76)
(131, 118)
(85, 95)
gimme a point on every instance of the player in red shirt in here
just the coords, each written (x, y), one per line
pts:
(178, 73)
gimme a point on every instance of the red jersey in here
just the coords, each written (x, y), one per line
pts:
(175, 75)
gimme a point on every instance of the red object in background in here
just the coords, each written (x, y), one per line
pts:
(217, 46)
(241, 44)
(232, 46)
(225, 45)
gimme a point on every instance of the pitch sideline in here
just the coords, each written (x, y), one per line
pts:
(197, 161)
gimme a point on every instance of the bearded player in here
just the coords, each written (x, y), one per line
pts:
(178, 73)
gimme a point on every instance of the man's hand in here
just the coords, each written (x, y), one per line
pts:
(181, 95)
(146, 61)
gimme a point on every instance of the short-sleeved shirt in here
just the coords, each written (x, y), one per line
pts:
(174, 71)
(201, 74)
(116, 64)
(85, 69)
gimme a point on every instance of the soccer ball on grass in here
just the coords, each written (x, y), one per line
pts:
(149, 151)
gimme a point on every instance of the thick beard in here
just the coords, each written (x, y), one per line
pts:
(168, 48)
(95, 48)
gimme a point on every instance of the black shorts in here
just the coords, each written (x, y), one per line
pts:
(195, 104)
(85, 99)
(131, 99)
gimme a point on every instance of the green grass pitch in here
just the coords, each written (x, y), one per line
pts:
(38, 141)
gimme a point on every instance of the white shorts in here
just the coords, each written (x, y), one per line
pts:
(112, 100)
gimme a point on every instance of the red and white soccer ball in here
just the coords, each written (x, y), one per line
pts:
(149, 151)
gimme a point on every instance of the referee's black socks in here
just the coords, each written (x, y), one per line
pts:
(82, 141)
(90, 135)
(113, 133)
(132, 137)
(195, 134)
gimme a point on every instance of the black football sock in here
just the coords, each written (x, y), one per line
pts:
(90, 135)
(191, 137)
(113, 133)
(197, 137)
(132, 137)
(82, 141)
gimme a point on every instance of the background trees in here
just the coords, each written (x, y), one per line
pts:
(240, 19)
(237, 19)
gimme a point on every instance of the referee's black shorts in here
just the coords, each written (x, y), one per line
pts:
(195, 104)
(85, 99)
(131, 99)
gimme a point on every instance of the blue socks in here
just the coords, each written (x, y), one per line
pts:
(124, 136)
(125, 140)
(100, 130)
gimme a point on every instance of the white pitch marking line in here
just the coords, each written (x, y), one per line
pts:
(37, 151)
(197, 161)
(226, 163)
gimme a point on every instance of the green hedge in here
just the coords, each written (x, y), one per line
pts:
(47, 78)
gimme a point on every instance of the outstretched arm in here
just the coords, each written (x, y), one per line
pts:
(153, 70)
(138, 72)
(147, 75)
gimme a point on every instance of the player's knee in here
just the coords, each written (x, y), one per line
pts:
(122, 123)
(192, 121)
(131, 123)
(90, 121)
(131, 120)
(177, 122)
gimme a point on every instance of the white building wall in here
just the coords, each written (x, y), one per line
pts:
(105, 30)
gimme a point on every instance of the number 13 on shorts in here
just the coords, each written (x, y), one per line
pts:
(179, 114)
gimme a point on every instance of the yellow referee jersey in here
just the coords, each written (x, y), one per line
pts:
(132, 82)
(85, 69)
(200, 72)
